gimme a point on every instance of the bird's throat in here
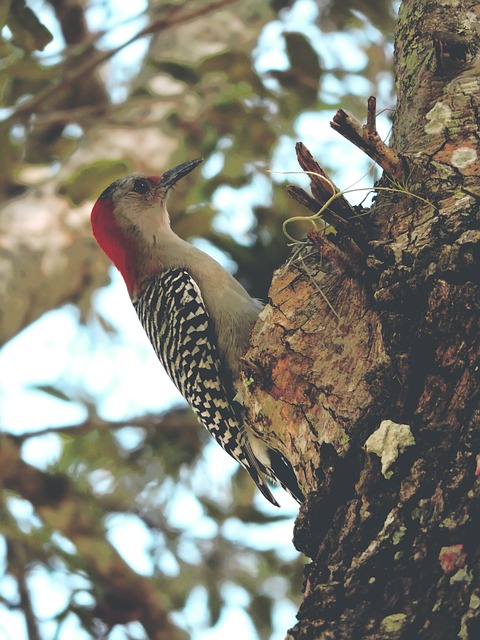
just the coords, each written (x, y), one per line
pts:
(120, 247)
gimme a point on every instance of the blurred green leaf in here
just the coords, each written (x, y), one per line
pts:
(215, 603)
(260, 609)
(302, 55)
(53, 391)
(236, 66)
(183, 72)
(89, 182)
(339, 14)
(27, 30)
(302, 79)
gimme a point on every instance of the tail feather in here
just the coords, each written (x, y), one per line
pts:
(275, 466)
(255, 470)
(284, 474)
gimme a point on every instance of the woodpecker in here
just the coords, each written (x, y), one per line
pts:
(197, 316)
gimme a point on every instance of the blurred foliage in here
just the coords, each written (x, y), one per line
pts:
(337, 14)
(229, 108)
(28, 32)
(92, 179)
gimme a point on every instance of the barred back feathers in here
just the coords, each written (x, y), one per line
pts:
(173, 314)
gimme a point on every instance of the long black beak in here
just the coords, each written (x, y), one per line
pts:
(172, 176)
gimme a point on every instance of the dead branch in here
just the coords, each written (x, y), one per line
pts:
(366, 138)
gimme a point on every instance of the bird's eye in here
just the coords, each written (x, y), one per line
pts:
(141, 186)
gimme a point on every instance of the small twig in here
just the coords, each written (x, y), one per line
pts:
(149, 421)
(302, 197)
(322, 213)
(328, 203)
(18, 565)
(324, 210)
(82, 114)
(367, 139)
(372, 116)
(339, 209)
(65, 116)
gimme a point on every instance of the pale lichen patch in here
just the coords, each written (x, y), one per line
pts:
(263, 315)
(469, 85)
(463, 156)
(438, 117)
(393, 623)
(469, 20)
(474, 601)
(388, 441)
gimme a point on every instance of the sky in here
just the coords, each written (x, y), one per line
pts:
(124, 374)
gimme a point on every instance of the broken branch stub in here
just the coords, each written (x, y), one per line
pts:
(366, 138)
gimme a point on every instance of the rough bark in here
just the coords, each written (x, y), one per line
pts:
(365, 372)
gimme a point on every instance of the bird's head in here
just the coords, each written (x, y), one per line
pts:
(130, 216)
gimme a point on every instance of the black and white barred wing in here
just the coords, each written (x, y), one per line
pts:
(173, 314)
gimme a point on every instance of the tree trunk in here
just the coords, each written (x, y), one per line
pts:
(364, 370)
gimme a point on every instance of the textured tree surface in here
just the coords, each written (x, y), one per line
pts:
(385, 349)
(364, 369)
